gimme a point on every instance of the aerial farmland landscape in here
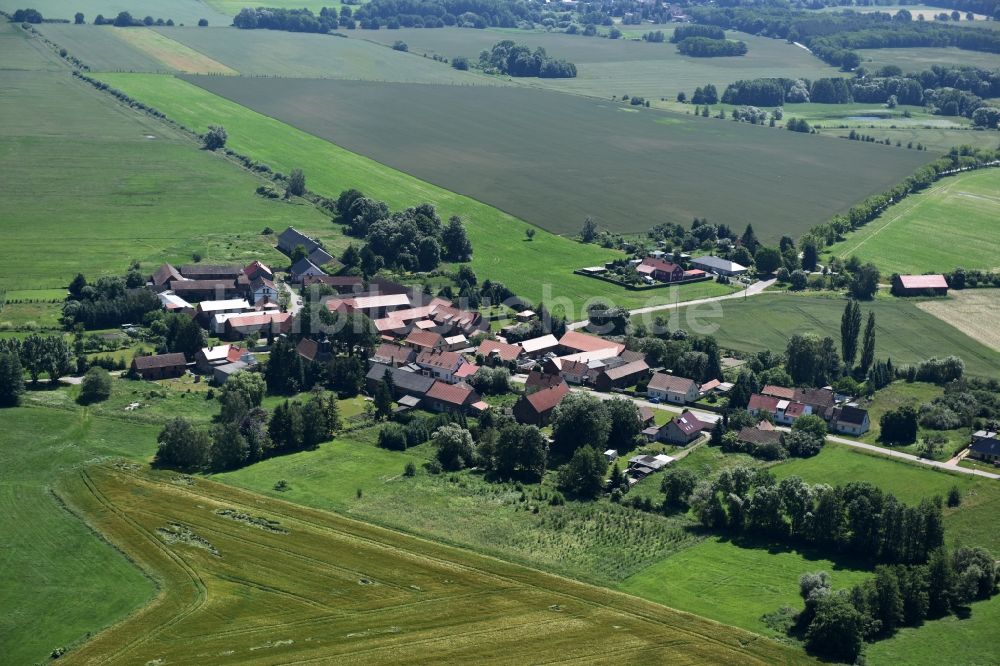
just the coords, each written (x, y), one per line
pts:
(500, 331)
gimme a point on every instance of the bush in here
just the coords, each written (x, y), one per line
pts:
(96, 386)
(393, 437)
(214, 138)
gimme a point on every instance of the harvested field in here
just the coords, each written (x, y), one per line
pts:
(975, 312)
(173, 54)
(340, 590)
(554, 159)
(181, 11)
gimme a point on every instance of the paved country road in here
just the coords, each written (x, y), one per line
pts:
(752, 290)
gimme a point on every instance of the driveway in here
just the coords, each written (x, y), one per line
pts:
(752, 290)
(294, 298)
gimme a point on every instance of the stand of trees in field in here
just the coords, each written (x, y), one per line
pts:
(108, 302)
(512, 59)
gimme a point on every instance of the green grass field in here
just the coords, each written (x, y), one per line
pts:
(967, 525)
(955, 222)
(100, 185)
(187, 12)
(609, 67)
(233, 7)
(732, 583)
(335, 589)
(629, 169)
(904, 332)
(538, 269)
(62, 582)
(919, 59)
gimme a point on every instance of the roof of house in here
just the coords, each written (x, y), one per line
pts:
(320, 257)
(437, 358)
(261, 282)
(172, 301)
(816, 397)
(591, 356)
(760, 402)
(409, 401)
(546, 399)
(661, 381)
(194, 270)
(304, 266)
(159, 361)
(256, 267)
(258, 319)
(227, 304)
(388, 352)
(165, 274)
(778, 391)
(689, 424)
(230, 368)
(989, 446)
(201, 285)
(307, 349)
(588, 343)
(466, 370)
(419, 338)
(220, 352)
(646, 413)
(455, 394)
(626, 370)
(923, 281)
(505, 351)
(540, 380)
(413, 382)
(852, 415)
(709, 385)
(571, 367)
(758, 436)
(716, 263)
(291, 237)
(537, 344)
(375, 301)
(650, 264)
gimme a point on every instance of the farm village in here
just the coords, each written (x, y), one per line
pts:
(470, 331)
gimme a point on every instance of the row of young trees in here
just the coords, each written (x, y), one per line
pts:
(836, 624)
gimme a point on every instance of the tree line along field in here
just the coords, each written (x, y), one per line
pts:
(904, 332)
(554, 159)
(955, 222)
(100, 185)
(537, 269)
(187, 12)
(334, 588)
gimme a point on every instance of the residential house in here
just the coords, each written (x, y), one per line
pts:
(211, 271)
(536, 347)
(304, 268)
(760, 435)
(423, 340)
(671, 388)
(164, 275)
(621, 376)
(456, 342)
(394, 355)
(265, 324)
(718, 266)
(263, 289)
(541, 380)
(404, 382)
(222, 373)
(536, 408)
(313, 350)
(494, 350)
(321, 257)
(850, 420)
(658, 269)
(206, 310)
(642, 466)
(683, 429)
(821, 401)
(455, 398)
(782, 410)
(373, 305)
(159, 366)
(985, 446)
(440, 364)
(465, 371)
(291, 238)
(204, 290)
(646, 415)
(919, 285)
(257, 269)
(573, 342)
(208, 358)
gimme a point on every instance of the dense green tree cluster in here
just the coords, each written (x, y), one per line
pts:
(514, 59)
(107, 303)
(682, 32)
(36, 355)
(703, 47)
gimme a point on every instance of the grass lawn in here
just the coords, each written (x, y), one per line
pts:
(100, 185)
(734, 584)
(903, 332)
(971, 524)
(653, 166)
(919, 59)
(181, 11)
(333, 589)
(233, 7)
(955, 222)
(61, 582)
(536, 269)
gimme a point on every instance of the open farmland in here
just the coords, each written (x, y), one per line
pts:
(975, 312)
(181, 11)
(62, 582)
(537, 269)
(133, 189)
(232, 7)
(955, 222)
(336, 589)
(903, 332)
(919, 59)
(554, 159)
(608, 67)
(172, 54)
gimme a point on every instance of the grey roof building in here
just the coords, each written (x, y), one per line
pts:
(712, 264)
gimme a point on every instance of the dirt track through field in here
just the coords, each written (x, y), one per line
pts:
(975, 312)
